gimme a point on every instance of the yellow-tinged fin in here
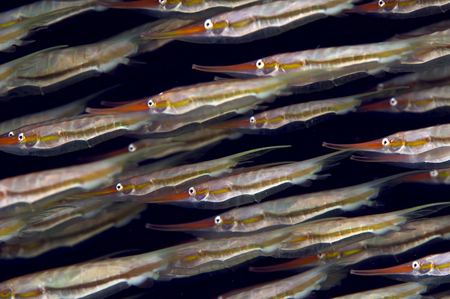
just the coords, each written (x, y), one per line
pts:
(112, 255)
(254, 153)
(390, 181)
(331, 158)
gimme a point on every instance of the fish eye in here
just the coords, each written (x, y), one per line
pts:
(385, 142)
(252, 120)
(192, 191)
(131, 147)
(434, 173)
(11, 134)
(416, 265)
(21, 137)
(218, 220)
(321, 256)
(393, 102)
(150, 104)
(381, 3)
(162, 2)
(260, 64)
(119, 187)
(208, 24)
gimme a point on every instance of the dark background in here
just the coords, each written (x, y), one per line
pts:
(169, 67)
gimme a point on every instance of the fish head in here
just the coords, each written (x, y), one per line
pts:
(158, 103)
(198, 193)
(19, 138)
(193, 194)
(378, 6)
(437, 176)
(415, 268)
(393, 143)
(256, 68)
(209, 27)
(392, 105)
(258, 121)
(229, 222)
(389, 144)
(154, 104)
(253, 122)
(220, 223)
(124, 188)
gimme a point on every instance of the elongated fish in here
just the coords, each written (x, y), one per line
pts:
(55, 68)
(402, 9)
(410, 290)
(144, 185)
(298, 286)
(28, 192)
(179, 8)
(413, 235)
(95, 279)
(432, 269)
(427, 145)
(249, 186)
(298, 115)
(256, 21)
(69, 134)
(115, 215)
(25, 12)
(290, 210)
(413, 102)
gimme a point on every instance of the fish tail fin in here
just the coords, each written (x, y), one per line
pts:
(331, 160)
(247, 155)
(386, 183)
(423, 210)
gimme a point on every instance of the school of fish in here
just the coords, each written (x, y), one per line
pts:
(129, 171)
